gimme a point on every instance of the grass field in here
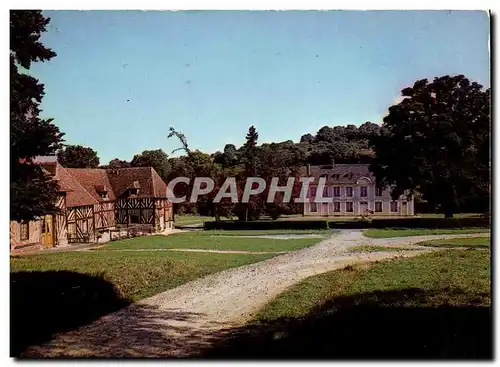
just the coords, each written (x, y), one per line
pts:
(214, 241)
(183, 220)
(467, 271)
(139, 274)
(478, 242)
(71, 289)
(430, 306)
(403, 232)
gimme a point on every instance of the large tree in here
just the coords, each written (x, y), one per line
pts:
(157, 159)
(118, 163)
(437, 141)
(77, 156)
(32, 192)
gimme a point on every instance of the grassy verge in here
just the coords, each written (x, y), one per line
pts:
(477, 242)
(195, 240)
(430, 306)
(403, 232)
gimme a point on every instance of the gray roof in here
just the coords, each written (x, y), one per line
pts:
(45, 159)
(340, 173)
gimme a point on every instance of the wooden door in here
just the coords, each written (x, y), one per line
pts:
(48, 231)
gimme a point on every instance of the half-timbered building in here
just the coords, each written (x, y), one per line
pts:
(95, 200)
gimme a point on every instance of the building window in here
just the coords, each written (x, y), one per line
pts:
(336, 206)
(325, 192)
(348, 192)
(72, 229)
(104, 195)
(313, 191)
(349, 207)
(25, 231)
(44, 226)
(394, 206)
(134, 216)
(336, 192)
(133, 191)
(314, 208)
(378, 191)
(364, 191)
(378, 206)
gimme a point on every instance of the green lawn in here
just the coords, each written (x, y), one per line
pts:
(56, 292)
(447, 272)
(71, 289)
(477, 242)
(430, 306)
(403, 232)
(136, 274)
(201, 240)
(191, 219)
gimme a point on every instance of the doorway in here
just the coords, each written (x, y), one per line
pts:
(48, 231)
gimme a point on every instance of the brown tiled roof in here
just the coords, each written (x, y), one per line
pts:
(150, 183)
(340, 173)
(84, 185)
(91, 179)
(76, 195)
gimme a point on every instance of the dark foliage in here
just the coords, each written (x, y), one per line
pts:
(77, 156)
(152, 158)
(263, 225)
(437, 141)
(32, 194)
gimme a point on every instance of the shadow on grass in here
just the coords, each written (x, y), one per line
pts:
(61, 314)
(43, 303)
(395, 324)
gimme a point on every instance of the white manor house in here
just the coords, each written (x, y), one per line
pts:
(351, 191)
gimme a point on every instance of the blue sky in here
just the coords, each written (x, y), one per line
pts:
(122, 78)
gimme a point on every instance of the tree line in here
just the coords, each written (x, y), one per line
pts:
(435, 143)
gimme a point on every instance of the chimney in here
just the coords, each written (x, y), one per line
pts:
(308, 172)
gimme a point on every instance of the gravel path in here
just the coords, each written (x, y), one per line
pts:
(181, 321)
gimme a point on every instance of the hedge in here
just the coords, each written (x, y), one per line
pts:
(430, 223)
(264, 225)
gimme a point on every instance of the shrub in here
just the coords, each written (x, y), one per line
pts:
(264, 225)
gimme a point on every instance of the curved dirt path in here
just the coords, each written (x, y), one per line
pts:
(182, 321)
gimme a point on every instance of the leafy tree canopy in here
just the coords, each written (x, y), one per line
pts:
(77, 156)
(437, 141)
(32, 192)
